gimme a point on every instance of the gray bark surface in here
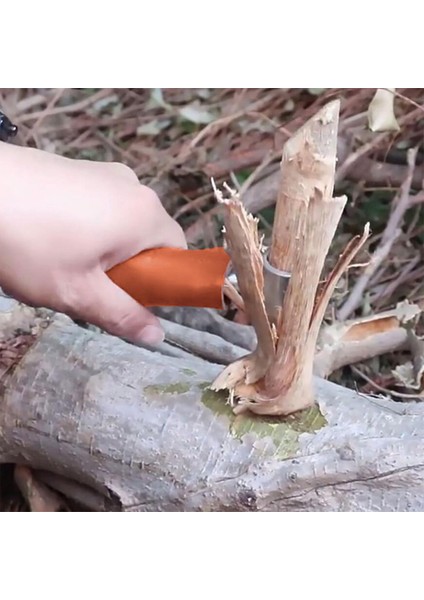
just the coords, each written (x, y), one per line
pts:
(124, 428)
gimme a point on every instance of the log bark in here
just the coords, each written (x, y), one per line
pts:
(123, 428)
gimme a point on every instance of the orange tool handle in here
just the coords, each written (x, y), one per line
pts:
(174, 277)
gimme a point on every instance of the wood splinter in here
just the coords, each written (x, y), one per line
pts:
(277, 378)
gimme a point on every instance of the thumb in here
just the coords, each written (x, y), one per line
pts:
(106, 305)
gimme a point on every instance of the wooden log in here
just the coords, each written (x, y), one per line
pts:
(144, 432)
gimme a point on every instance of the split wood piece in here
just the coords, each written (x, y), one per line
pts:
(241, 236)
(277, 378)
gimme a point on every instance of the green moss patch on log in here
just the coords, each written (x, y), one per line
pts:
(283, 431)
(180, 387)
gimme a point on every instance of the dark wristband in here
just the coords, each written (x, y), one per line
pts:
(7, 129)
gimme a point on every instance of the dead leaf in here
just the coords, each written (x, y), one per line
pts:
(157, 100)
(411, 373)
(381, 115)
(153, 127)
(316, 91)
(196, 114)
(204, 93)
(406, 312)
(416, 345)
(103, 103)
(404, 374)
(289, 106)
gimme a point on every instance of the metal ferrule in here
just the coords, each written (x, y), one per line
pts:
(275, 286)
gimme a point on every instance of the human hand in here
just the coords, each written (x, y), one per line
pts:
(64, 223)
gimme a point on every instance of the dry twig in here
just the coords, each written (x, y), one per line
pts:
(391, 234)
(343, 170)
(38, 496)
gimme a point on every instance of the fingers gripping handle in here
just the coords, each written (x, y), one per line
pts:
(174, 277)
